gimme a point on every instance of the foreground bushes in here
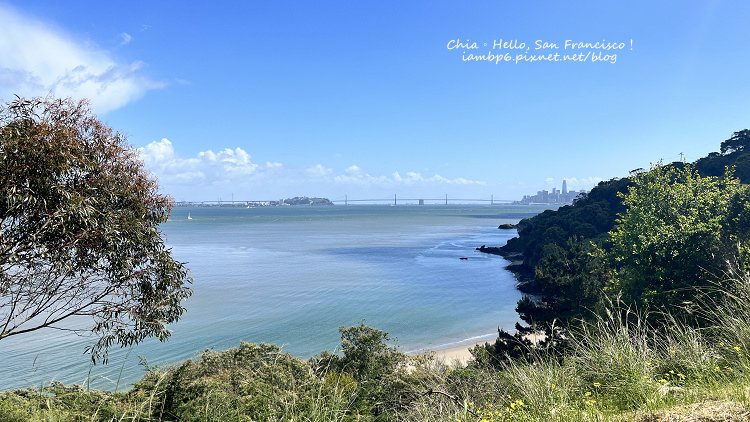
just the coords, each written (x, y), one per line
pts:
(251, 382)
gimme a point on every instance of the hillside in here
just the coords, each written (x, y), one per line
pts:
(562, 238)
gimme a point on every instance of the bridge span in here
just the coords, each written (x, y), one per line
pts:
(395, 200)
(424, 200)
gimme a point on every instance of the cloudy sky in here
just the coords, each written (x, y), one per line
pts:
(264, 100)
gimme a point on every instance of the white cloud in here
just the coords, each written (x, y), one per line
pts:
(125, 38)
(206, 168)
(157, 152)
(233, 170)
(318, 170)
(361, 178)
(38, 60)
(355, 175)
(231, 161)
(353, 170)
(414, 178)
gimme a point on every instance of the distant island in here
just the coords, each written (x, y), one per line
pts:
(304, 200)
(297, 200)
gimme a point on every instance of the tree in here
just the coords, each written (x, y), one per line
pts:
(740, 141)
(570, 280)
(674, 235)
(507, 348)
(79, 226)
(383, 379)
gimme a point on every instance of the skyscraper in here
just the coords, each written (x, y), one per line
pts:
(565, 187)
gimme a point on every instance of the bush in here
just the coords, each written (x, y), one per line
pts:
(251, 382)
(385, 383)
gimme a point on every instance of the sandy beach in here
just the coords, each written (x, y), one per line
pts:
(460, 354)
(457, 354)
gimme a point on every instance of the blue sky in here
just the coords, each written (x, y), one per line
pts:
(330, 98)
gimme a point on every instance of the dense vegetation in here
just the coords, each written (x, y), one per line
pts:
(653, 243)
(593, 215)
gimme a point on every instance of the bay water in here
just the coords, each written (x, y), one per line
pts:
(293, 275)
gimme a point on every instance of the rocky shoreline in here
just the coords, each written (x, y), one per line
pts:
(524, 275)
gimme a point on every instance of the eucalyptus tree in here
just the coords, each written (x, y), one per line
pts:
(80, 246)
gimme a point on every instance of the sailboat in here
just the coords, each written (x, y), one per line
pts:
(189, 217)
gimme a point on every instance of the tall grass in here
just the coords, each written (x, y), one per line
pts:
(614, 358)
(620, 367)
(727, 308)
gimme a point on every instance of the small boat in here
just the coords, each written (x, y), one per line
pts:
(189, 217)
(463, 258)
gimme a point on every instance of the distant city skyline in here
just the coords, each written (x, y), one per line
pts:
(325, 99)
(555, 197)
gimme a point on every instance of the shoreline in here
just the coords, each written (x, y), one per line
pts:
(525, 277)
(454, 352)
(458, 353)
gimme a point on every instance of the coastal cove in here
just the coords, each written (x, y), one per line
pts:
(293, 275)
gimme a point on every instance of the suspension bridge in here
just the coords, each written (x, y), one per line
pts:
(394, 200)
(424, 201)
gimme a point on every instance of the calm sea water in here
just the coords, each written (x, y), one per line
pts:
(293, 275)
